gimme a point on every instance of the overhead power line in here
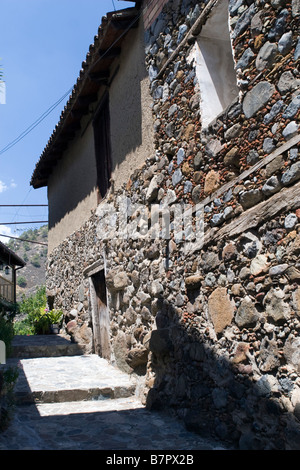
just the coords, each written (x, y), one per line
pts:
(23, 240)
(35, 123)
(32, 222)
(49, 110)
(23, 205)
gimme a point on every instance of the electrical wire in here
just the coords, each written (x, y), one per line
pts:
(23, 205)
(49, 110)
(20, 223)
(23, 239)
(35, 123)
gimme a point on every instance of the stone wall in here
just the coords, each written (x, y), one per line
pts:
(212, 330)
(151, 10)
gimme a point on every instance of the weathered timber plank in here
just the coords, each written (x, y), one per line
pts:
(287, 199)
(279, 151)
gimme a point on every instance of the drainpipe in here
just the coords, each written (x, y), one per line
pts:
(15, 282)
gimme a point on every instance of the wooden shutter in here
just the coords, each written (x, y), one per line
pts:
(103, 148)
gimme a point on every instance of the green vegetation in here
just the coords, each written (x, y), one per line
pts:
(23, 328)
(21, 281)
(9, 375)
(33, 254)
(26, 246)
(30, 306)
(38, 318)
(8, 378)
(8, 311)
(28, 236)
(44, 231)
(45, 319)
(35, 261)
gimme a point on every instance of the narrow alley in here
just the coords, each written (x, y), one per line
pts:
(72, 401)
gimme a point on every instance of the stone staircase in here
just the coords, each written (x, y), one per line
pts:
(70, 401)
(52, 369)
(43, 346)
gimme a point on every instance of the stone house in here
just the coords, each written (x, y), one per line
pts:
(173, 182)
(10, 263)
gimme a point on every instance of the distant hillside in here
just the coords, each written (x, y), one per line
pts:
(35, 255)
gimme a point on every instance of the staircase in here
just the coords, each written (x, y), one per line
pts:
(70, 401)
(52, 369)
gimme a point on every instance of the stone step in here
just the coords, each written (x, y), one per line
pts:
(69, 379)
(43, 346)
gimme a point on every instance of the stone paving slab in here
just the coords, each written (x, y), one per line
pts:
(44, 346)
(69, 378)
(121, 424)
(84, 403)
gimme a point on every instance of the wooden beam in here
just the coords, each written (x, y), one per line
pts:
(110, 53)
(99, 77)
(78, 113)
(67, 136)
(257, 166)
(84, 101)
(288, 199)
(122, 23)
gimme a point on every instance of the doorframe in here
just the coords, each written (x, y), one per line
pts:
(101, 331)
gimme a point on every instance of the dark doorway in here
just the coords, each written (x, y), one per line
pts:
(103, 148)
(100, 315)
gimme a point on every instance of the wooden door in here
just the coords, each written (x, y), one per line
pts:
(100, 315)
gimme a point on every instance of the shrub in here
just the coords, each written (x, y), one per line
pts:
(8, 378)
(21, 281)
(35, 261)
(26, 246)
(32, 304)
(23, 327)
(46, 318)
(39, 318)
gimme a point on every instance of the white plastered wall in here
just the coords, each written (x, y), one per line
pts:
(212, 54)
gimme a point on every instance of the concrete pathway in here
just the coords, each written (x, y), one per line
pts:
(78, 402)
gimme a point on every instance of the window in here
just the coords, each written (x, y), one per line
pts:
(215, 71)
(102, 148)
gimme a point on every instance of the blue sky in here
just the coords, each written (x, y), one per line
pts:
(42, 46)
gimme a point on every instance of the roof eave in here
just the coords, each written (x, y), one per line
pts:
(9, 257)
(92, 76)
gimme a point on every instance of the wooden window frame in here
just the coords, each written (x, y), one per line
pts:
(101, 125)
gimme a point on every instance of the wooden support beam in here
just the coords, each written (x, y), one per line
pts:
(125, 22)
(288, 199)
(67, 136)
(78, 113)
(59, 147)
(111, 53)
(99, 77)
(86, 100)
(257, 166)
